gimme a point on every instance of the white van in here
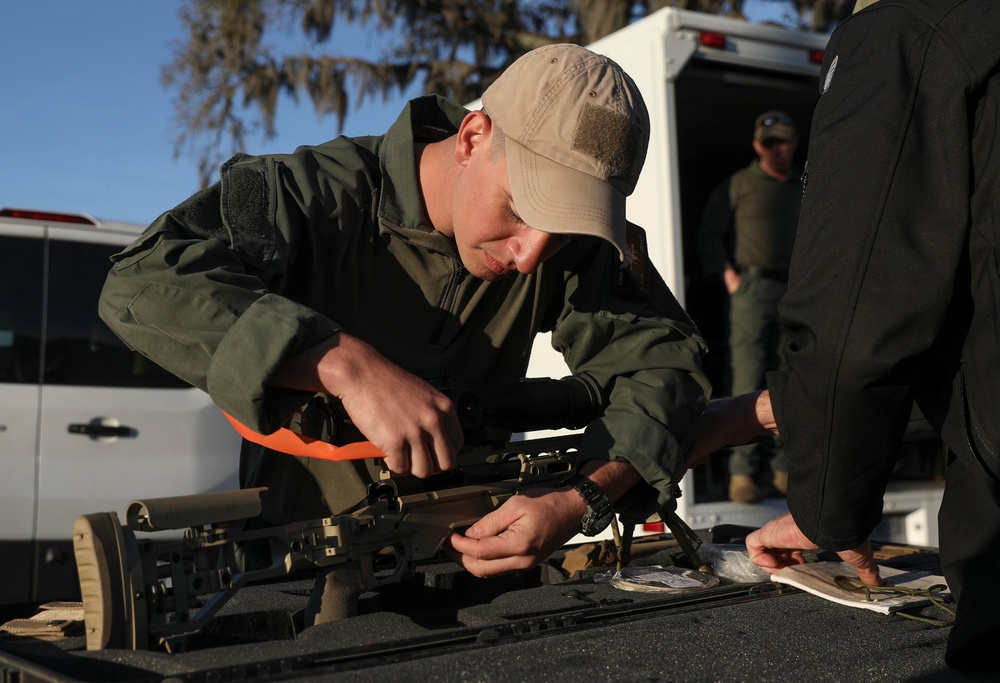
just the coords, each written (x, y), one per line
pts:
(85, 423)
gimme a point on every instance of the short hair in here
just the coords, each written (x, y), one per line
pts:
(498, 143)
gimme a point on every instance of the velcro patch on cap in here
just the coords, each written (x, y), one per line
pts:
(608, 136)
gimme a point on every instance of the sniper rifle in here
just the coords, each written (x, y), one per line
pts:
(140, 593)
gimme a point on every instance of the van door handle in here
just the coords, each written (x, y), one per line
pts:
(95, 430)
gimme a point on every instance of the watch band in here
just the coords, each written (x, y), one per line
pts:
(599, 508)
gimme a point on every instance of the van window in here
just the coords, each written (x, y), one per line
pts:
(20, 309)
(79, 347)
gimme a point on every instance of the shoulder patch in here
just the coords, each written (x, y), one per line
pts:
(247, 206)
(829, 74)
(202, 212)
(246, 199)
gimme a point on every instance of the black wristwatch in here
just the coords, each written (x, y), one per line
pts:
(599, 508)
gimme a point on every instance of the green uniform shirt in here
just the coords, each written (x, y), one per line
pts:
(286, 250)
(750, 220)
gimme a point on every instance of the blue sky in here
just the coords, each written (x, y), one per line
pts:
(85, 124)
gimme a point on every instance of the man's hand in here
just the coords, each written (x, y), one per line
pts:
(413, 423)
(530, 526)
(519, 534)
(780, 543)
(731, 422)
(731, 278)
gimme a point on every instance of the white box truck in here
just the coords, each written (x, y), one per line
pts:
(705, 79)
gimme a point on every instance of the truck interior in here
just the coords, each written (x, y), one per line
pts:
(717, 105)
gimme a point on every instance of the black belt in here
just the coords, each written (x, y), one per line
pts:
(764, 273)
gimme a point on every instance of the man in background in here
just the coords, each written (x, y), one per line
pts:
(745, 238)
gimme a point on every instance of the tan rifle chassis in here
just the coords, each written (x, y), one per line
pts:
(141, 592)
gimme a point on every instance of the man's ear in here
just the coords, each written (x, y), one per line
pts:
(473, 134)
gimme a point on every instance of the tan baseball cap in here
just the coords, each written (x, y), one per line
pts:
(774, 124)
(577, 130)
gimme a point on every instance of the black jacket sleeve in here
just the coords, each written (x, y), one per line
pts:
(715, 231)
(879, 245)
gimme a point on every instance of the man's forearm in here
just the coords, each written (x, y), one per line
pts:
(732, 421)
(323, 366)
(613, 477)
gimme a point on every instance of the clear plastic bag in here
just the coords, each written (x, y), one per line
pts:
(731, 561)
(659, 579)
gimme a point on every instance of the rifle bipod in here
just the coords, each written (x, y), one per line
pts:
(686, 538)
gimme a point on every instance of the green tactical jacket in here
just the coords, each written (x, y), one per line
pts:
(286, 250)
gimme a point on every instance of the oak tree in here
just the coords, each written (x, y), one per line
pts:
(229, 74)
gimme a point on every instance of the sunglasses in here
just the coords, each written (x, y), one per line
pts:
(771, 120)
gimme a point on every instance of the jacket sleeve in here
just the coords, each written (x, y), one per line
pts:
(880, 240)
(715, 231)
(621, 324)
(200, 292)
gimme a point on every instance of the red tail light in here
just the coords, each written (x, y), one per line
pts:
(47, 216)
(711, 39)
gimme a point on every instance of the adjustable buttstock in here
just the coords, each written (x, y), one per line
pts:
(181, 512)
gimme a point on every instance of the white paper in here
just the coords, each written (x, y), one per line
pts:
(818, 578)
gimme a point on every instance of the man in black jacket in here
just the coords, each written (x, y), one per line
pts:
(894, 297)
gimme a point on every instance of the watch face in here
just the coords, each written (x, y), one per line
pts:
(591, 526)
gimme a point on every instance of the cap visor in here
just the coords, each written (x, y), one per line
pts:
(555, 198)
